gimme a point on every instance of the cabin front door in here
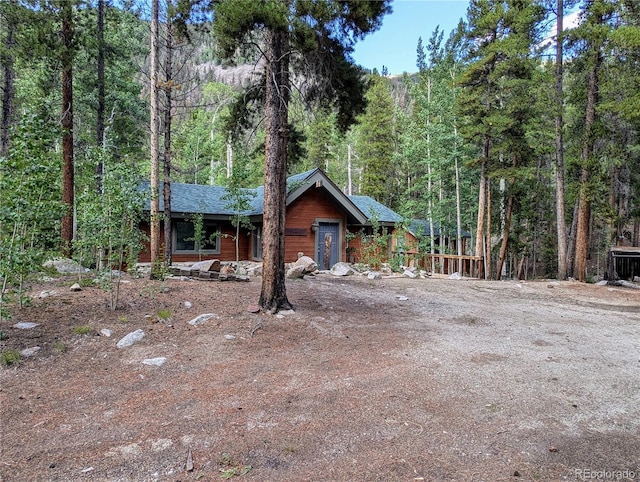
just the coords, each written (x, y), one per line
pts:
(327, 245)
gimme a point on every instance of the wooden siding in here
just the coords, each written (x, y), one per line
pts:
(227, 246)
(299, 236)
(301, 214)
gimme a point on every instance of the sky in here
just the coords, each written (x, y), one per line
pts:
(394, 44)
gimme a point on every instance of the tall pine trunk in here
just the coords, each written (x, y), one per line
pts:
(273, 295)
(561, 226)
(100, 136)
(586, 157)
(482, 197)
(168, 67)
(67, 129)
(8, 90)
(487, 243)
(155, 154)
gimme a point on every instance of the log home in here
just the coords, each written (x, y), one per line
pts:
(319, 216)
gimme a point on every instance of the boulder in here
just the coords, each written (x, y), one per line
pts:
(227, 269)
(455, 275)
(374, 275)
(341, 269)
(409, 273)
(296, 272)
(130, 339)
(65, 266)
(207, 265)
(308, 263)
(254, 269)
(201, 318)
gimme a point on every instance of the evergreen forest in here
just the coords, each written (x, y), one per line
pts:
(512, 129)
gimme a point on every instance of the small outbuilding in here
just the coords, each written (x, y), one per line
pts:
(624, 263)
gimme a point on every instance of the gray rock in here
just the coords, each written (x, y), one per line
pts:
(25, 325)
(75, 287)
(374, 275)
(341, 269)
(201, 318)
(401, 298)
(308, 263)
(409, 274)
(158, 362)
(207, 265)
(455, 275)
(30, 351)
(187, 304)
(65, 266)
(603, 282)
(130, 339)
(296, 272)
(106, 332)
(46, 294)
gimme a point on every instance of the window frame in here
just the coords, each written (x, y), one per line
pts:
(210, 226)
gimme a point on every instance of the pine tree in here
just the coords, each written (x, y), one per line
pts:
(308, 29)
(496, 106)
(377, 142)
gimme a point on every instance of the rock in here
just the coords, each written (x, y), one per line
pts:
(207, 265)
(374, 275)
(130, 339)
(229, 337)
(201, 318)
(602, 283)
(409, 274)
(30, 351)
(106, 332)
(254, 270)
(65, 266)
(25, 325)
(253, 309)
(158, 362)
(308, 263)
(46, 294)
(401, 298)
(636, 279)
(227, 269)
(75, 287)
(187, 304)
(455, 275)
(296, 272)
(629, 284)
(386, 270)
(287, 312)
(341, 269)
(189, 464)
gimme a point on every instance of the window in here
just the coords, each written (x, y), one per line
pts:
(256, 243)
(186, 241)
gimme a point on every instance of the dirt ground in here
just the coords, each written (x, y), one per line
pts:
(369, 380)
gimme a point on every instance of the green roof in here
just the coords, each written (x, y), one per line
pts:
(372, 209)
(209, 200)
(205, 199)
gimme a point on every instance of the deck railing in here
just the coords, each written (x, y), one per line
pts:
(471, 266)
